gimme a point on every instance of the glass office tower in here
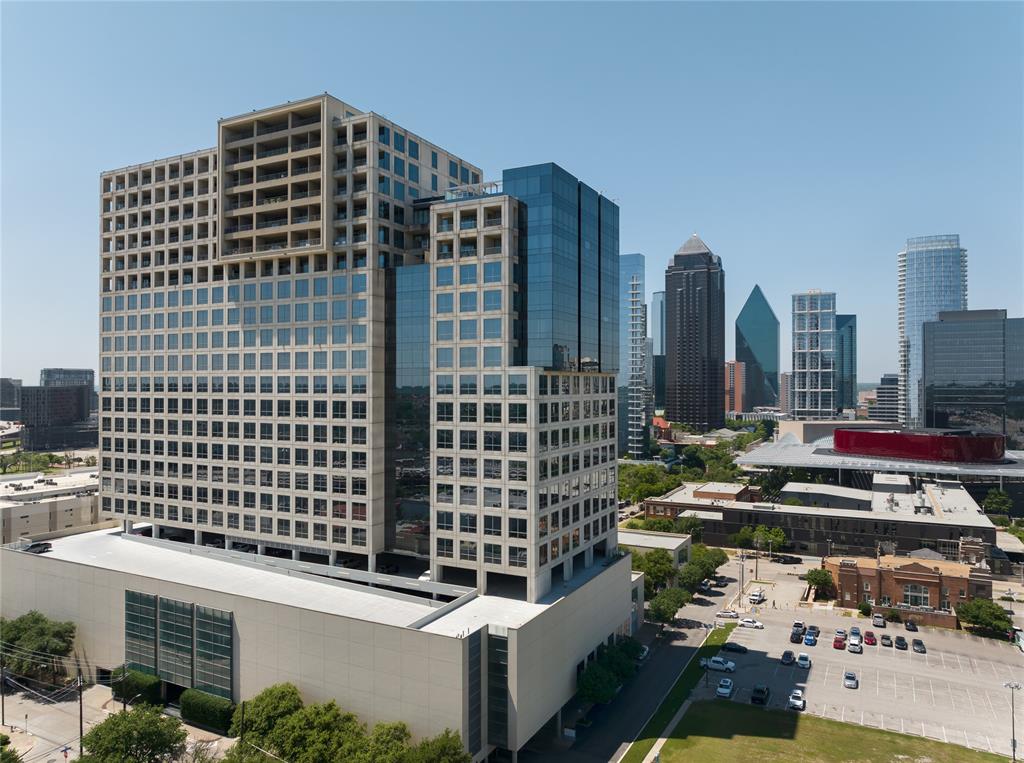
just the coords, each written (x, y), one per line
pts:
(973, 373)
(932, 278)
(846, 362)
(757, 347)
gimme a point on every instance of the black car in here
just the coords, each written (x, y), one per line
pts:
(814, 630)
(787, 559)
(39, 547)
(732, 646)
(796, 636)
(787, 658)
(910, 625)
(760, 695)
(918, 646)
(901, 643)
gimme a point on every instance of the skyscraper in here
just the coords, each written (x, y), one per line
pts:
(695, 337)
(846, 362)
(657, 323)
(735, 386)
(814, 347)
(757, 347)
(932, 278)
(632, 375)
(631, 268)
(786, 392)
(973, 373)
(887, 399)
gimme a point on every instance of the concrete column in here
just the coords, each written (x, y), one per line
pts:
(481, 581)
(196, 538)
(228, 544)
(371, 562)
(558, 724)
(567, 567)
(295, 554)
(588, 557)
(261, 549)
(332, 558)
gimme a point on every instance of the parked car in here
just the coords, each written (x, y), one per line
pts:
(705, 585)
(760, 695)
(798, 625)
(803, 660)
(787, 658)
(644, 653)
(886, 639)
(840, 633)
(732, 646)
(869, 638)
(796, 700)
(918, 646)
(814, 629)
(839, 643)
(855, 647)
(721, 581)
(718, 663)
(728, 613)
(850, 680)
(749, 622)
(854, 631)
(910, 625)
(724, 689)
(39, 547)
(878, 621)
(901, 643)
(796, 637)
(757, 597)
(810, 639)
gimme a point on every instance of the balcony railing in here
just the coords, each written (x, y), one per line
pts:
(238, 228)
(467, 251)
(271, 223)
(492, 249)
(271, 200)
(467, 224)
(488, 222)
(306, 219)
(277, 151)
(272, 247)
(341, 241)
(306, 121)
(445, 226)
(304, 146)
(305, 194)
(358, 238)
(271, 176)
(271, 128)
(307, 243)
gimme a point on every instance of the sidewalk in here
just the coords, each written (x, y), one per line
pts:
(656, 750)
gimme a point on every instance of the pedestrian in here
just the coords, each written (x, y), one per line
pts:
(773, 603)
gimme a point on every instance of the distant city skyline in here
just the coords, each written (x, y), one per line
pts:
(878, 142)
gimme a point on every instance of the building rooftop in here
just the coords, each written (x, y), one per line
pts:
(790, 452)
(886, 561)
(839, 491)
(729, 488)
(34, 490)
(639, 539)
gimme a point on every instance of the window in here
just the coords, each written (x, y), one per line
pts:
(444, 276)
(492, 328)
(492, 357)
(492, 300)
(445, 548)
(915, 595)
(467, 550)
(492, 553)
(517, 413)
(445, 303)
(492, 525)
(445, 520)
(467, 328)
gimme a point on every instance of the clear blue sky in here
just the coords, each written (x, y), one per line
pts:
(804, 142)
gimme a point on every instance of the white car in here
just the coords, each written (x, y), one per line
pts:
(749, 622)
(841, 633)
(718, 663)
(850, 680)
(797, 701)
(757, 597)
(724, 689)
(803, 660)
(728, 613)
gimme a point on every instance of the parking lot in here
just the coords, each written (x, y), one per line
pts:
(954, 693)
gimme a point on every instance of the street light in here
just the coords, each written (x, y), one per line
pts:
(126, 702)
(1013, 686)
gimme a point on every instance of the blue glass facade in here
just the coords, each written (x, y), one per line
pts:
(757, 347)
(630, 266)
(571, 252)
(932, 279)
(846, 362)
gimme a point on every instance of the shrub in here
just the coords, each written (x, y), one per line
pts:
(893, 616)
(128, 684)
(207, 710)
(864, 608)
(1000, 520)
(597, 684)
(630, 647)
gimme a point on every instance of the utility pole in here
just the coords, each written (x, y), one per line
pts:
(81, 716)
(1013, 686)
(3, 691)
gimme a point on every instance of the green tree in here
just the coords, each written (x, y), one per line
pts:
(387, 743)
(691, 526)
(864, 608)
(773, 538)
(33, 632)
(665, 605)
(997, 502)
(597, 684)
(985, 615)
(690, 576)
(318, 733)
(7, 753)
(657, 567)
(446, 747)
(822, 581)
(140, 735)
(659, 525)
(621, 666)
(744, 538)
(263, 712)
(707, 559)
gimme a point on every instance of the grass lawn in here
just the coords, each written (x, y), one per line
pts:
(678, 694)
(714, 732)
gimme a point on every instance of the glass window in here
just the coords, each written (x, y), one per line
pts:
(492, 300)
(445, 331)
(445, 303)
(467, 328)
(467, 357)
(467, 301)
(467, 274)
(444, 276)
(492, 272)
(492, 328)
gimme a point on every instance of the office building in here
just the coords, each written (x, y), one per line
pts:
(365, 361)
(757, 347)
(972, 373)
(57, 418)
(695, 337)
(735, 387)
(656, 320)
(932, 278)
(631, 280)
(10, 393)
(67, 377)
(632, 375)
(786, 392)
(846, 362)
(47, 505)
(814, 355)
(887, 399)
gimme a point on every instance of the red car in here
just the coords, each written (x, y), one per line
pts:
(869, 638)
(839, 643)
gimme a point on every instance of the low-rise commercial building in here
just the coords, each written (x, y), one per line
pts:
(32, 506)
(677, 544)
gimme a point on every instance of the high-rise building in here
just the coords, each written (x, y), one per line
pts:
(695, 337)
(67, 377)
(887, 399)
(973, 373)
(632, 375)
(786, 392)
(657, 322)
(932, 278)
(757, 347)
(10, 392)
(57, 418)
(814, 348)
(846, 362)
(735, 387)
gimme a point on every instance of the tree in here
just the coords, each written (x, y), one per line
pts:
(657, 567)
(744, 538)
(317, 733)
(263, 712)
(597, 684)
(659, 525)
(665, 605)
(35, 633)
(691, 526)
(822, 581)
(690, 576)
(773, 538)
(446, 747)
(864, 608)
(997, 502)
(140, 735)
(388, 743)
(7, 753)
(707, 559)
(984, 614)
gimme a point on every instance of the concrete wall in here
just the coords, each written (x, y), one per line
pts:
(46, 516)
(379, 672)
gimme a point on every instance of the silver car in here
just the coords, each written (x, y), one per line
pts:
(850, 680)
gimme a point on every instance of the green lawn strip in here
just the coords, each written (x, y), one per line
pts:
(720, 732)
(676, 696)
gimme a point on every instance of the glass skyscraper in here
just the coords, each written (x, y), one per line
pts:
(973, 373)
(657, 322)
(631, 266)
(932, 278)
(846, 362)
(757, 347)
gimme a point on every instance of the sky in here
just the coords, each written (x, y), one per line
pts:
(804, 142)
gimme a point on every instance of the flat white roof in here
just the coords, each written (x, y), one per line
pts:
(891, 479)
(733, 488)
(667, 541)
(808, 488)
(107, 550)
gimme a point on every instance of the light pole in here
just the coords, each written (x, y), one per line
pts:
(1013, 686)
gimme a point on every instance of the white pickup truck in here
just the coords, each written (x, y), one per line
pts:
(718, 663)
